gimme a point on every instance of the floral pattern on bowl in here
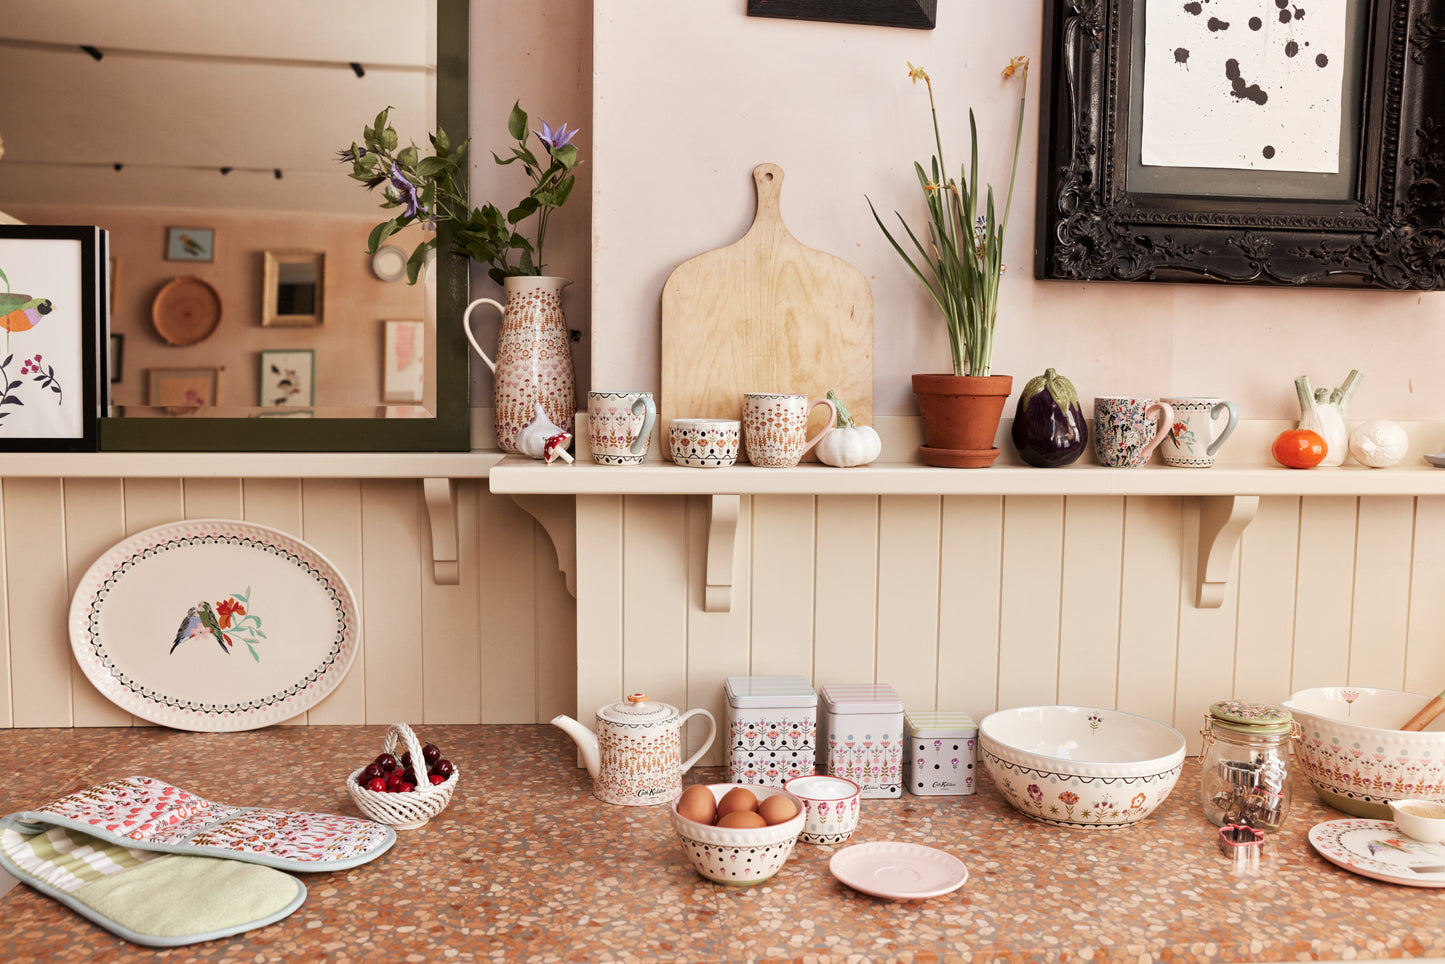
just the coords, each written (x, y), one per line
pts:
(1081, 767)
(1355, 754)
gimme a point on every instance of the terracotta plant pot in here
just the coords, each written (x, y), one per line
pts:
(960, 418)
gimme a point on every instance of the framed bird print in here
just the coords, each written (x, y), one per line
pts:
(51, 318)
(288, 378)
(190, 244)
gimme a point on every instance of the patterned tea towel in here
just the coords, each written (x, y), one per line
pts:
(159, 866)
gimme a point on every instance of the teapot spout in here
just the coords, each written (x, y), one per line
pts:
(586, 741)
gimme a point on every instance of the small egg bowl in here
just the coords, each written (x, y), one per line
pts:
(1422, 820)
(1355, 754)
(736, 856)
(1081, 767)
(830, 807)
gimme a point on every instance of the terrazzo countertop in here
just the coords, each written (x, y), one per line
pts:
(526, 865)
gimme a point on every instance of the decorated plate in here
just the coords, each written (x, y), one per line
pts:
(214, 625)
(1378, 849)
(898, 871)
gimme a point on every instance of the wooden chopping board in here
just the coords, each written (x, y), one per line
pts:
(765, 314)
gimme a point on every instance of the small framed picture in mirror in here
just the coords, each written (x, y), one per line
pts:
(183, 391)
(190, 244)
(288, 378)
(293, 293)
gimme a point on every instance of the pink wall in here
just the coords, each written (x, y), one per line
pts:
(348, 344)
(689, 97)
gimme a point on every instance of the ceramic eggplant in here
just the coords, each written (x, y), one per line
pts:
(1049, 428)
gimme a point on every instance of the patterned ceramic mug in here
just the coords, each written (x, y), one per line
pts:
(704, 443)
(775, 427)
(1128, 429)
(1194, 434)
(830, 807)
(620, 426)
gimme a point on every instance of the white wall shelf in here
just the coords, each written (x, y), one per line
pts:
(1228, 495)
(438, 472)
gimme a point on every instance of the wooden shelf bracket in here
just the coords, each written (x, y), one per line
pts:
(1222, 521)
(557, 515)
(440, 496)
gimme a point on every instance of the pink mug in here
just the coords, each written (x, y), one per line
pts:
(775, 427)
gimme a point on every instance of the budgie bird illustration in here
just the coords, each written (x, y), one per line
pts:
(22, 312)
(193, 247)
(200, 620)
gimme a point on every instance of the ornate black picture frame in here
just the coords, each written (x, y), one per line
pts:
(883, 13)
(1389, 232)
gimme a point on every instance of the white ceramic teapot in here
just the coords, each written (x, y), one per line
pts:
(635, 757)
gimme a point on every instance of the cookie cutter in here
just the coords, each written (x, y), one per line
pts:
(1242, 844)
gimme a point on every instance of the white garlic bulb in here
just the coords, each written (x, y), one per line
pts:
(1379, 443)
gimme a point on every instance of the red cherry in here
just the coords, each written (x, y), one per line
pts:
(405, 787)
(406, 759)
(431, 754)
(393, 780)
(387, 762)
(371, 772)
(444, 767)
(376, 785)
(437, 778)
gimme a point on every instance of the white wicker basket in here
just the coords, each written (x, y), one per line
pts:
(404, 811)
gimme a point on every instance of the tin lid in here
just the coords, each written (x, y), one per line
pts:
(637, 708)
(1259, 719)
(750, 691)
(939, 723)
(861, 698)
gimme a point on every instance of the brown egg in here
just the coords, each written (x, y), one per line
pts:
(742, 820)
(777, 809)
(697, 804)
(738, 798)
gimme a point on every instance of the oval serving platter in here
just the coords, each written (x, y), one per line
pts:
(214, 625)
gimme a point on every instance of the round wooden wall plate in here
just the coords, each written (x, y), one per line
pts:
(186, 311)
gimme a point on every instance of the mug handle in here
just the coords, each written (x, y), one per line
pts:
(1228, 428)
(832, 420)
(1165, 423)
(467, 328)
(649, 418)
(711, 732)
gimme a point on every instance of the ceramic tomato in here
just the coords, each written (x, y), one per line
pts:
(1299, 448)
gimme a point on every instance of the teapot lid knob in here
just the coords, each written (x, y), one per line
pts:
(637, 697)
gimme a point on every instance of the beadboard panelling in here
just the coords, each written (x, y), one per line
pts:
(976, 603)
(429, 653)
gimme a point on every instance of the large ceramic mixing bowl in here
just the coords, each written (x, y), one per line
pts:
(1355, 754)
(1081, 766)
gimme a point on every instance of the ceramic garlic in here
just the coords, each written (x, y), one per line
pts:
(543, 439)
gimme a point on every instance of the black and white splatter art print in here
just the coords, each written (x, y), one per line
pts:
(1248, 84)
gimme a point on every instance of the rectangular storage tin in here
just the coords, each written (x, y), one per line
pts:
(942, 752)
(772, 729)
(861, 731)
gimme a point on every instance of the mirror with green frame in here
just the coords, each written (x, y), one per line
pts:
(208, 147)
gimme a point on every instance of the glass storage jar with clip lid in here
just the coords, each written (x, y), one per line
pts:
(1244, 770)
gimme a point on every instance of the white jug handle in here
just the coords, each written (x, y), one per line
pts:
(467, 328)
(711, 732)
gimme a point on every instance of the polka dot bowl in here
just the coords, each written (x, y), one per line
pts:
(735, 856)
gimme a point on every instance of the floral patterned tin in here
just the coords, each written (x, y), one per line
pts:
(941, 754)
(863, 726)
(772, 728)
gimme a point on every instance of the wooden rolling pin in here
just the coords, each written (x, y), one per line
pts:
(1427, 713)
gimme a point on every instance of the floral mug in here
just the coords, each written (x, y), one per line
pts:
(775, 427)
(1127, 429)
(619, 425)
(1194, 434)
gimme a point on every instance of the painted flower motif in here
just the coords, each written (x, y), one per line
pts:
(1138, 801)
(1069, 798)
(227, 609)
(1095, 721)
(1035, 794)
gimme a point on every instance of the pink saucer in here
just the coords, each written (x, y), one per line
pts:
(898, 871)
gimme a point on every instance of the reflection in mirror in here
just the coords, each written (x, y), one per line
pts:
(226, 119)
(294, 288)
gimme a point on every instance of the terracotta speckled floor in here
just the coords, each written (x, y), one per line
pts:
(526, 865)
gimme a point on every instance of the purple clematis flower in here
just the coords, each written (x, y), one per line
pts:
(405, 192)
(561, 137)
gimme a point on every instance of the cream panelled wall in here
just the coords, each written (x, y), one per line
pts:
(975, 603)
(497, 648)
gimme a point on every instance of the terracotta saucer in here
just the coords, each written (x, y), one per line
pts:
(958, 458)
(186, 311)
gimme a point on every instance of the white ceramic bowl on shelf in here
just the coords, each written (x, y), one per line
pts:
(1082, 767)
(1355, 754)
(737, 856)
